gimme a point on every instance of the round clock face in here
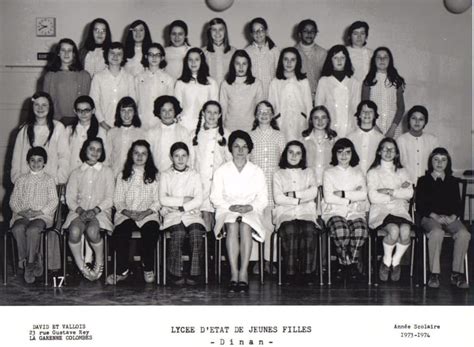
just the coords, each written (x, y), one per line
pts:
(45, 26)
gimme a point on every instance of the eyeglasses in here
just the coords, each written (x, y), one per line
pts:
(84, 111)
(154, 55)
(99, 31)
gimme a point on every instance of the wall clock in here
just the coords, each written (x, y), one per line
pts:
(45, 26)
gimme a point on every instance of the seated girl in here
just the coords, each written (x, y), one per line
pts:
(181, 198)
(390, 190)
(294, 192)
(440, 207)
(137, 204)
(89, 196)
(33, 203)
(239, 194)
(345, 205)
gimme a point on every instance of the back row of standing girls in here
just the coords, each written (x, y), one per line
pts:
(292, 80)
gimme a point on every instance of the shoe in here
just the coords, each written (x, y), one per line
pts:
(395, 275)
(457, 279)
(383, 272)
(270, 268)
(29, 275)
(149, 276)
(192, 280)
(179, 281)
(308, 279)
(354, 272)
(38, 266)
(21, 264)
(98, 270)
(243, 287)
(289, 280)
(87, 273)
(114, 279)
(341, 272)
(232, 288)
(434, 281)
(256, 268)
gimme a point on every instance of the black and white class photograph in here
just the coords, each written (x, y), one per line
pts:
(170, 155)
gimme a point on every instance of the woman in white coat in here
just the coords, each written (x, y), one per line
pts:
(239, 194)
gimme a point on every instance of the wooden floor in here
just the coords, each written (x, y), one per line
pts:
(135, 292)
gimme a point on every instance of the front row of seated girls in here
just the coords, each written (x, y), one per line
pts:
(239, 195)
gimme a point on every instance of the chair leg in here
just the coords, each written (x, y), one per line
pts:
(279, 259)
(412, 257)
(329, 259)
(369, 262)
(45, 255)
(320, 251)
(14, 255)
(164, 259)
(106, 256)
(5, 258)
(466, 268)
(157, 264)
(261, 260)
(206, 260)
(376, 263)
(219, 265)
(424, 259)
(272, 240)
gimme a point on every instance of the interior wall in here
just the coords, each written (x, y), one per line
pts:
(431, 47)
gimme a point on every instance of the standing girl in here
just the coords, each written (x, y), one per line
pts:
(84, 126)
(290, 93)
(345, 205)
(136, 44)
(390, 190)
(92, 52)
(360, 55)
(137, 204)
(181, 199)
(384, 86)
(152, 83)
(110, 85)
(240, 92)
(126, 131)
(194, 87)
(89, 196)
(294, 191)
(269, 143)
(338, 90)
(33, 203)
(210, 148)
(218, 50)
(66, 80)
(177, 48)
(167, 132)
(41, 130)
(319, 139)
(263, 53)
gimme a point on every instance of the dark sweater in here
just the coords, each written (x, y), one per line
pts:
(440, 197)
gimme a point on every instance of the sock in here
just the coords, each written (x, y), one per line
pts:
(99, 251)
(399, 251)
(76, 250)
(88, 254)
(387, 253)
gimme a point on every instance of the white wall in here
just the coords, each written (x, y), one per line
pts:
(431, 47)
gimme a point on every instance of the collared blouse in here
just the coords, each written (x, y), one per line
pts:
(135, 195)
(35, 191)
(302, 206)
(119, 141)
(88, 187)
(365, 143)
(174, 187)
(264, 64)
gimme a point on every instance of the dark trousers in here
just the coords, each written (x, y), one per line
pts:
(121, 241)
(298, 242)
